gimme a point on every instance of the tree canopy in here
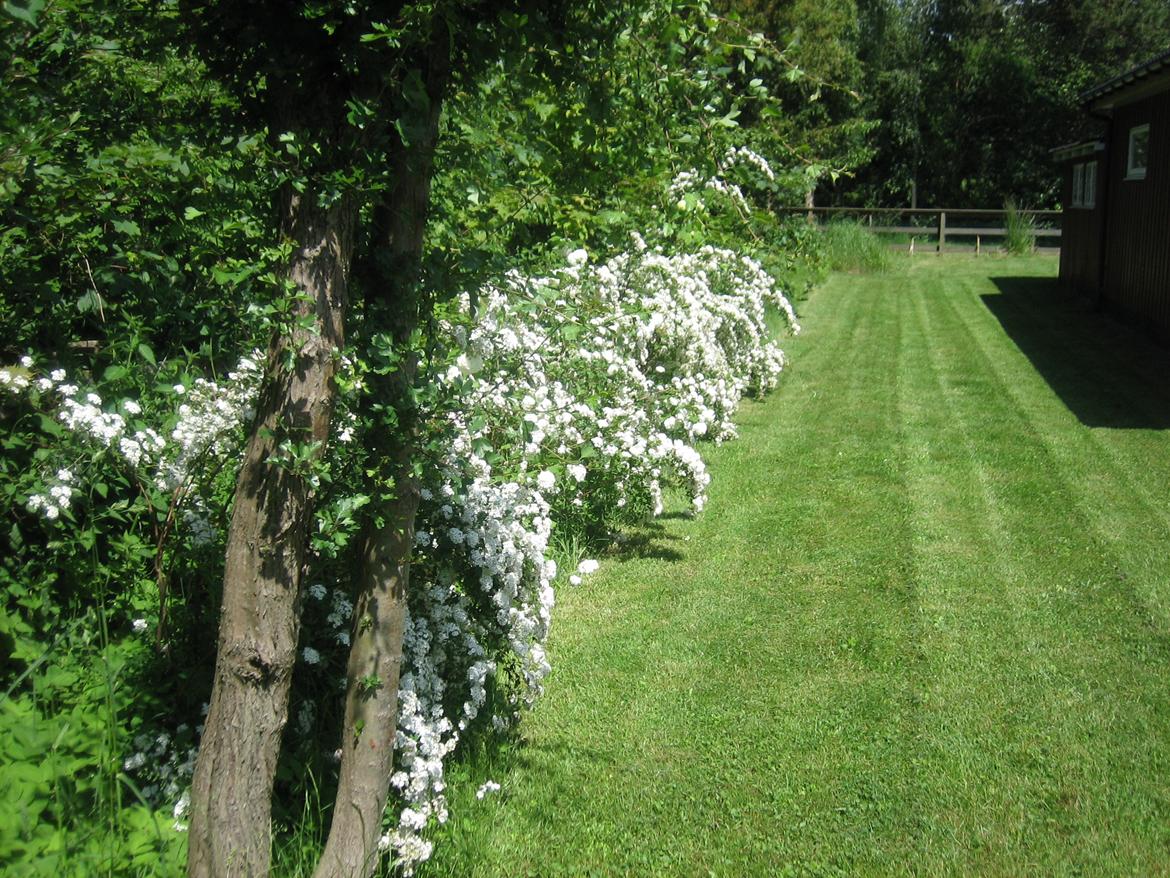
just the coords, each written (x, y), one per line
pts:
(969, 95)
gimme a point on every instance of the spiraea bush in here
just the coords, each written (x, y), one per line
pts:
(564, 403)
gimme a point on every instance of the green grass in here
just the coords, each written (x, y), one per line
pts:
(850, 246)
(1019, 230)
(922, 627)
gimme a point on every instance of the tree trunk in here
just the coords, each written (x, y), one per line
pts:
(230, 831)
(371, 703)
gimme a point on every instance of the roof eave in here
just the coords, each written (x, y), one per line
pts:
(1131, 77)
(1080, 149)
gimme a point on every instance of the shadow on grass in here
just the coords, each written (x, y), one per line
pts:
(649, 540)
(1107, 373)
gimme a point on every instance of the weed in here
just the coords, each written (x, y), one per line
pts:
(852, 247)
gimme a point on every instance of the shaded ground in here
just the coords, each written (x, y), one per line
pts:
(922, 627)
(1100, 368)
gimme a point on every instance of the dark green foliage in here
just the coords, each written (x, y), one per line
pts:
(578, 143)
(135, 253)
(970, 95)
(130, 211)
(825, 123)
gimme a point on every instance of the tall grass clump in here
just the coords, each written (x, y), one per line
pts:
(1019, 230)
(850, 246)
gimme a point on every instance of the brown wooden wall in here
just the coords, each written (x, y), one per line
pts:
(1137, 252)
(1080, 233)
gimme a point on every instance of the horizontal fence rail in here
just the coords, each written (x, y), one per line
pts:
(977, 223)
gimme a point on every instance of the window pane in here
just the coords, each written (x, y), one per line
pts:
(1141, 143)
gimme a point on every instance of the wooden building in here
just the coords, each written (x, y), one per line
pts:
(1115, 234)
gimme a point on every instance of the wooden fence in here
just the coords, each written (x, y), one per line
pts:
(937, 224)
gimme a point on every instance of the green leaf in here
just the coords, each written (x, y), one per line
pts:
(190, 213)
(25, 10)
(147, 354)
(128, 228)
(51, 427)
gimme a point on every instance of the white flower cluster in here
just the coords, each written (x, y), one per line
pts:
(670, 344)
(17, 380)
(487, 789)
(693, 181)
(198, 521)
(57, 500)
(586, 567)
(164, 767)
(743, 155)
(591, 386)
(207, 426)
(82, 413)
(483, 545)
(209, 420)
(337, 620)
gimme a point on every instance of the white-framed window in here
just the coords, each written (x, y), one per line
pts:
(1137, 156)
(1084, 188)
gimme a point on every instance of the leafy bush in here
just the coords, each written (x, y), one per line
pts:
(850, 246)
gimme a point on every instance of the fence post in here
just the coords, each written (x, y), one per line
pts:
(942, 230)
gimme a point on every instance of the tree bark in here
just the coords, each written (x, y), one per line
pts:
(230, 830)
(371, 703)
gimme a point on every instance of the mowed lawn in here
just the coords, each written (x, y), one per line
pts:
(922, 628)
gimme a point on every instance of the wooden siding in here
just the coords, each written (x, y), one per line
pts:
(1137, 250)
(1080, 237)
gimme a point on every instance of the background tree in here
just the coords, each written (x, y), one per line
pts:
(823, 118)
(891, 55)
(971, 94)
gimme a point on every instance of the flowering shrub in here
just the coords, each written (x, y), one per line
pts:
(692, 181)
(575, 401)
(128, 494)
(571, 403)
(206, 431)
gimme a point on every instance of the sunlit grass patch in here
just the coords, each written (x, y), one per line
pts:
(921, 627)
